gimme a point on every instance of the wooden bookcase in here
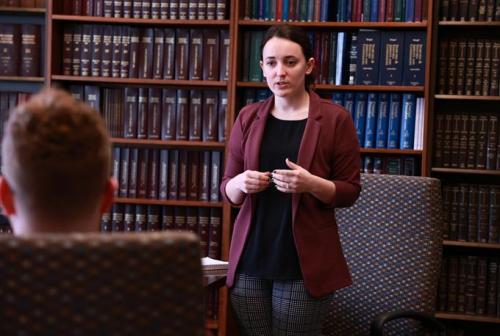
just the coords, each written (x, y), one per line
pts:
(461, 178)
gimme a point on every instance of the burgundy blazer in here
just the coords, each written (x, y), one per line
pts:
(329, 149)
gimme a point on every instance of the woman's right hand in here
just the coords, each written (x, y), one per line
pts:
(252, 181)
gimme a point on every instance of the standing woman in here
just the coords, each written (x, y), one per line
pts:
(292, 159)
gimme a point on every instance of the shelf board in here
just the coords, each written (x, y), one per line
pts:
(211, 324)
(464, 317)
(382, 25)
(100, 19)
(139, 81)
(492, 246)
(390, 151)
(22, 79)
(464, 97)
(21, 10)
(469, 23)
(147, 201)
(466, 171)
(344, 87)
(169, 143)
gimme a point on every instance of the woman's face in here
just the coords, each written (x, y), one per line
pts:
(284, 66)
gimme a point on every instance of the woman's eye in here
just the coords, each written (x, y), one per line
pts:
(270, 63)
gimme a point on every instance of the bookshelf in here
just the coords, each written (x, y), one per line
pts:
(161, 209)
(464, 155)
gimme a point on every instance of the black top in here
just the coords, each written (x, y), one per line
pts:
(270, 251)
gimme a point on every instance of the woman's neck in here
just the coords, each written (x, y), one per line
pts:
(291, 108)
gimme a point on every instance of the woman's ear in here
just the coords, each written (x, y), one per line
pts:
(310, 65)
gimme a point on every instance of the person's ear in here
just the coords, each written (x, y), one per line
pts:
(6, 197)
(109, 194)
(310, 65)
(261, 64)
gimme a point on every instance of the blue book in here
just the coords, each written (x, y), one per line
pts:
(408, 113)
(348, 11)
(394, 121)
(365, 10)
(414, 58)
(338, 98)
(382, 118)
(360, 115)
(391, 57)
(341, 10)
(374, 10)
(371, 119)
(367, 66)
(310, 11)
(409, 10)
(284, 12)
(349, 103)
(323, 15)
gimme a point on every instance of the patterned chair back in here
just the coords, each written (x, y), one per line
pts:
(392, 241)
(101, 284)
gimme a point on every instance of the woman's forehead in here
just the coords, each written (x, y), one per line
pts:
(281, 47)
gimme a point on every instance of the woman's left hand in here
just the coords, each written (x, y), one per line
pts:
(293, 180)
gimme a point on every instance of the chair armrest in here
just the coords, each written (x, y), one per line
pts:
(377, 325)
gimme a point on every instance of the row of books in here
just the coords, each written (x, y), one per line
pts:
(469, 67)
(467, 141)
(469, 285)
(469, 10)
(342, 11)
(399, 165)
(471, 213)
(168, 173)
(204, 221)
(23, 3)
(385, 120)
(20, 50)
(159, 113)
(364, 57)
(134, 52)
(382, 119)
(149, 9)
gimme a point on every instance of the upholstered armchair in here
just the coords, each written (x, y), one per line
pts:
(391, 238)
(101, 284)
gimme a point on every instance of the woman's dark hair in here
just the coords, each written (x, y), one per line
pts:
(294, 34)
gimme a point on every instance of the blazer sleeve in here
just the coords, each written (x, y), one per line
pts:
(235, 158)
(346, 164)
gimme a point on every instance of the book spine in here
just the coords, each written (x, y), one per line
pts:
(196, 54)
(182, 54)
(133, 170)
(408, 114)
(158, 50)
(210, 109)
(146, 53)
(173, 174)
(141, 224)
(163, 178)
(193, 175)
(153, 171)
(142, 113)
(142, 172)
(211, 60)
(195, 115)
(168, 114)
(182, 182)
(124, 171)
(182, 116)
(154, 113)
(30, 51)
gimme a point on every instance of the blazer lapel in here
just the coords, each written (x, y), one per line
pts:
(255, 135)
(309, 141)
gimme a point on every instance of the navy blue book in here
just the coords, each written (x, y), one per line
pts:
(410, 10)
(338, 98)
(394, 121)
(341, 10)
(349, 103)
(367, 66)
(382, 118)
(374, 10)
(371, 119)
(360, 115)
(408, 113)
(391, 57)
(414, 58)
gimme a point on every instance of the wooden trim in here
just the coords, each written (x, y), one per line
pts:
(147, 201)
(493, 246)
(345, 25)
(140, 81)
(390, 151)
(466, 171)
(494, 24)
(156, 22)
(463, 317)
(22, 79)
(463, 97)
(169, 143)
(344, 87)
(22, 10)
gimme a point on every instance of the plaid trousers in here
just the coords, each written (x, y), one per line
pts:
(277, 307)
